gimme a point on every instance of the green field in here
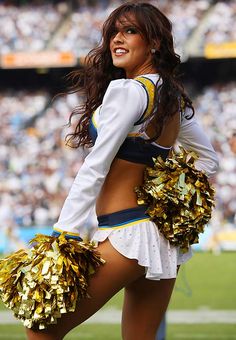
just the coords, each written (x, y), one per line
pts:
(206, 282)
(112, 332)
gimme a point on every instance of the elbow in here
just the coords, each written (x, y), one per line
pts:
(209, 165)
(217, 163)
(212, 166)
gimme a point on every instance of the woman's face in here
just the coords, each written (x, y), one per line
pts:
(130, 51)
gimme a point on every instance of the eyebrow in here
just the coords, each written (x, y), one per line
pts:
(125, 24)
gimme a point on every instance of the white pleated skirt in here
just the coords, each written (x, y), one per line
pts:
(141, 240)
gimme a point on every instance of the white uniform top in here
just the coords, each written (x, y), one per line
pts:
(123, 104)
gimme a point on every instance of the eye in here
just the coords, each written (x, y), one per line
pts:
(113, 33)
(131, 30)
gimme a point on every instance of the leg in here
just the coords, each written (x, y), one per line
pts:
(145, 304)
(161, 331)
(117, 272)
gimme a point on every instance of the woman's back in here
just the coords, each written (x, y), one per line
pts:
(118, 192)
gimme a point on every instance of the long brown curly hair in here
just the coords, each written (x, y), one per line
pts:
(98, 71)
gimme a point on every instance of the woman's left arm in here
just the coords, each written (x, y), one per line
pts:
(123, 104)
(193, 138)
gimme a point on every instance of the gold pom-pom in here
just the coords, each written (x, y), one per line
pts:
(43, 282)
(179, 198)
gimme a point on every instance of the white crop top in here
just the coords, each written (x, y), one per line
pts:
(123, 104)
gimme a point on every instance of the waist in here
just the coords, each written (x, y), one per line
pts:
(118, 190)
(123, 218)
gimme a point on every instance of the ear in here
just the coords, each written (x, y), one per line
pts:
(155, 45)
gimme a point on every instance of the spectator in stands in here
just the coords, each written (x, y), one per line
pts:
(22, 28)
(232, 142)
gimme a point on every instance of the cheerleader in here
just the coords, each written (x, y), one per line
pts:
(135, 110)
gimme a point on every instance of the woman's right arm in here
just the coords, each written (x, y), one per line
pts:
(193, 138)
(123, 104)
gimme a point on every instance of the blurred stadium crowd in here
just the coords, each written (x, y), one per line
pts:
(36, 168)
(75, 25)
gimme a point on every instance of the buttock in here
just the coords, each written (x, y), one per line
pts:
(133, 234)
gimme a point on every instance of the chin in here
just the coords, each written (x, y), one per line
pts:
(119, 65)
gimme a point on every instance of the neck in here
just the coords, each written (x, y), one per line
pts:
(143, 70)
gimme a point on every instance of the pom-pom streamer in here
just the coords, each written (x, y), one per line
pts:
(179, 198)
(41, 283)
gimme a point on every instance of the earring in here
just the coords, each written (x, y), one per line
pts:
(153, 50)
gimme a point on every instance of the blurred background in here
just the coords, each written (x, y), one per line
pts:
(40, 43)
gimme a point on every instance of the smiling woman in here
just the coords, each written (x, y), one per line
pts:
(130, 50)
(135, 110)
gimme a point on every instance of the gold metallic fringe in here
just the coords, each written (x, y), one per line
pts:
(179, 198)
(41, 283)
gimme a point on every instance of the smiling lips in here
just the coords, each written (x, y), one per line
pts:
(120, 51)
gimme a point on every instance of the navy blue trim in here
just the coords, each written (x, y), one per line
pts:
(123, 216)
(92, 131)
(143, 115)
(68, 237)
(147, 79)
(136, 150)
(143, 118)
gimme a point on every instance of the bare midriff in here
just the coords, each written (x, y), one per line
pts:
(118, 191)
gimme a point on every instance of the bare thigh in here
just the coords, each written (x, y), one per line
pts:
(144, 307)
(116, 273)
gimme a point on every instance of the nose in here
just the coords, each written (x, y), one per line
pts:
(118, 38)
